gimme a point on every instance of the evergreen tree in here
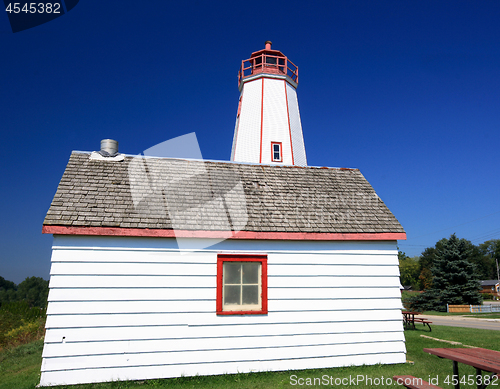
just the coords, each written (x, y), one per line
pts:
(454, 278)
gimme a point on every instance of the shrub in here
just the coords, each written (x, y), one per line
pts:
(24, 334)
(20, 323)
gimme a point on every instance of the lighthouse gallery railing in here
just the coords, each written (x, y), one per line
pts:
(266, 63)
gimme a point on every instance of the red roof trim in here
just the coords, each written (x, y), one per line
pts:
(161, 233)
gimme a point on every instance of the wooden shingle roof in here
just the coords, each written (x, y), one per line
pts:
(166, 194)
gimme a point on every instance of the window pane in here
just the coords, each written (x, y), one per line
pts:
(232, 294)
(276, 148)
(276, 156)
(270, 60)
(232, 273)
(251, 273)
(250, 294)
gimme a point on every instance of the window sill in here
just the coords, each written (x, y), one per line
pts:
(242, 312)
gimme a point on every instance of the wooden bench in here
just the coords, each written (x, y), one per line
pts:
(424, 321)
(412, 382)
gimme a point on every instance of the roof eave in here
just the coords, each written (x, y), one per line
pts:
(249, 235)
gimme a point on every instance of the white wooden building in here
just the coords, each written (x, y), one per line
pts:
(167, 267)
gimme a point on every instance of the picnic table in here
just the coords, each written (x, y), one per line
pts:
(409, 320)
(480, 358)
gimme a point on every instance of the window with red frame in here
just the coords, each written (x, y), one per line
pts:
(241, 284)
(276, 152)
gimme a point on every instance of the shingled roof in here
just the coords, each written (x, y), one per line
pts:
(167, 194)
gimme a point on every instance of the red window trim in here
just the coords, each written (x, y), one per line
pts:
(221, 258)
(281, 151)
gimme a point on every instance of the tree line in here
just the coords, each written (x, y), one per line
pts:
(33, 290)
(449, 272)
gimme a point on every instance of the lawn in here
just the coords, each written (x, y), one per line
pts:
(481, 315)
(20, 368)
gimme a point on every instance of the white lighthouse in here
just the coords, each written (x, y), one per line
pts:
(268, 128)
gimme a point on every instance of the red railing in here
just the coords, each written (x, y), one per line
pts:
(266, 63)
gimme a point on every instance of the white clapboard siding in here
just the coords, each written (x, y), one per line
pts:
(330, 293)
(333, 259)
(216, 356)
(126, 256)
(208, 269)
(181, 306)
(103, 268)
(366, 282)
(135, 256)
(209, 318)
(152, 294)
(160, 371)
(332, 270)
(130, 281)
(131, 294)
(101, 281)
(149, 312)
(96, 335)
(212, 343)
(96, 327)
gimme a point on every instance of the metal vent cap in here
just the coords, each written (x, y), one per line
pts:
(109, 148)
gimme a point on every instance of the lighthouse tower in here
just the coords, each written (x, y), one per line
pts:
(268, 128)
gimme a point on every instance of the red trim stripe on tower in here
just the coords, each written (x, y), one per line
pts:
(261, 120)
(288, 116)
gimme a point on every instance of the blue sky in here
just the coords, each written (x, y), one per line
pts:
(408, 92)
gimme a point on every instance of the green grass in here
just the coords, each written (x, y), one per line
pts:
(20, 367)
(481, 315)
(437, 313)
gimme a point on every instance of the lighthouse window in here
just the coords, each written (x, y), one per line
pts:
(271, 60)
(241, 284)
(276, 152)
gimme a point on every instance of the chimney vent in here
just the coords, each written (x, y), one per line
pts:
(109, 148)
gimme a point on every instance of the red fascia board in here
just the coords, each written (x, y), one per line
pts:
(250, 235)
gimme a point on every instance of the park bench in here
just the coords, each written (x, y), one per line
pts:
(412, 382)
